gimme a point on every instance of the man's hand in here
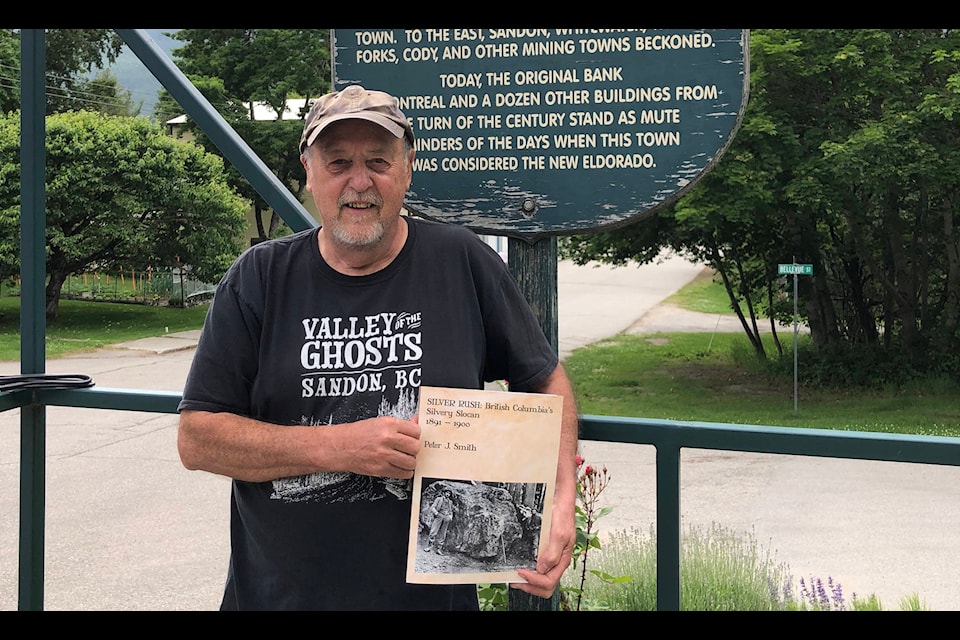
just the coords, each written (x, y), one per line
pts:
(555, 558)
(381, 446)
(557, 555)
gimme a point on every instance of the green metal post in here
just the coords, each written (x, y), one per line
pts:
(668, 527)
(32, 312)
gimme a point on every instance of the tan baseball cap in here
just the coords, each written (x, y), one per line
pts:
(355, 102)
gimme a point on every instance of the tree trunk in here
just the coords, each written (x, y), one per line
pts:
(755, 330)
(275, 221)
(950, 317)
(814, 290)
(866, 323)
(258, 216)
(54, 285)
(904, 291)
(717, 263)
(773, 319)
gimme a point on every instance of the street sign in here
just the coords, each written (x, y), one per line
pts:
(539, 132)
(795, 269)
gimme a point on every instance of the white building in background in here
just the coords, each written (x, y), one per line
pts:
(261, 111)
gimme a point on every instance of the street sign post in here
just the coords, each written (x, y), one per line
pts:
(795, 269)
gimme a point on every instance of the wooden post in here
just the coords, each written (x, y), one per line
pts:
(534, 266)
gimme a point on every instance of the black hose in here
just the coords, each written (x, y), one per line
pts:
(45, 381)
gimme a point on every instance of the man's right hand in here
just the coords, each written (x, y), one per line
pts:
(383, 446)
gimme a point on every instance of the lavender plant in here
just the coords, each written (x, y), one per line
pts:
(818, 597)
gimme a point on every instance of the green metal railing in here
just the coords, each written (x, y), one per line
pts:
(668, 437)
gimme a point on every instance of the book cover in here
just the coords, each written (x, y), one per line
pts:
(483, 486)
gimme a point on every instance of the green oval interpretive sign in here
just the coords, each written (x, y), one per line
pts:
(537, 132)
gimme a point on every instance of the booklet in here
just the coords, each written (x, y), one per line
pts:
(483, 486)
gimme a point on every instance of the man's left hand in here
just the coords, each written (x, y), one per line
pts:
(555, 558)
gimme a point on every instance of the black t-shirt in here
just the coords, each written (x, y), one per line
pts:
(288, 340)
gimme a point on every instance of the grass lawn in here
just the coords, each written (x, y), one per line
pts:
(87, 326)
(707, 377)
(675, 377)
(703, 294)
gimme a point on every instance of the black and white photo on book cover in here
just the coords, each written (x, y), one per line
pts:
(483, 485)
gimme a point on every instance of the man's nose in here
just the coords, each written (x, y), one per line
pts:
(359, 177)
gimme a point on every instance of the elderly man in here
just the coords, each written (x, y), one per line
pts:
(305, 382)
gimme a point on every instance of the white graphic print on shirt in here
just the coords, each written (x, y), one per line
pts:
(352, 356)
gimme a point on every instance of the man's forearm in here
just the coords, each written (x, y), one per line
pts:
(245, 449)
(566, 487)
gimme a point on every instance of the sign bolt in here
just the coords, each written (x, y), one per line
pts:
(528, 207)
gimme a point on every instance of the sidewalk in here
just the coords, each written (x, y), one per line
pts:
(127, 528)
(166, 343)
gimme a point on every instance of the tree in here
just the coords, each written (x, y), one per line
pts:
(877, 170)
(847, 159)
(261, 65)
(235, 68)
(104, 93)
(70, 55)
(121, 193)
(9, 71)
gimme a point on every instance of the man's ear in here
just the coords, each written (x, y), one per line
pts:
(410, 156)
(306, 168)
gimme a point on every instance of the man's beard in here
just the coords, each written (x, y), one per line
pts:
(366, 235)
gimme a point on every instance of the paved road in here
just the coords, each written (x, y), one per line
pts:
(129, 529)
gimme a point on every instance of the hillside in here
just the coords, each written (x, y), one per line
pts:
(136, 78)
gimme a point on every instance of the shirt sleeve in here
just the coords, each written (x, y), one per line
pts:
(225, 365)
